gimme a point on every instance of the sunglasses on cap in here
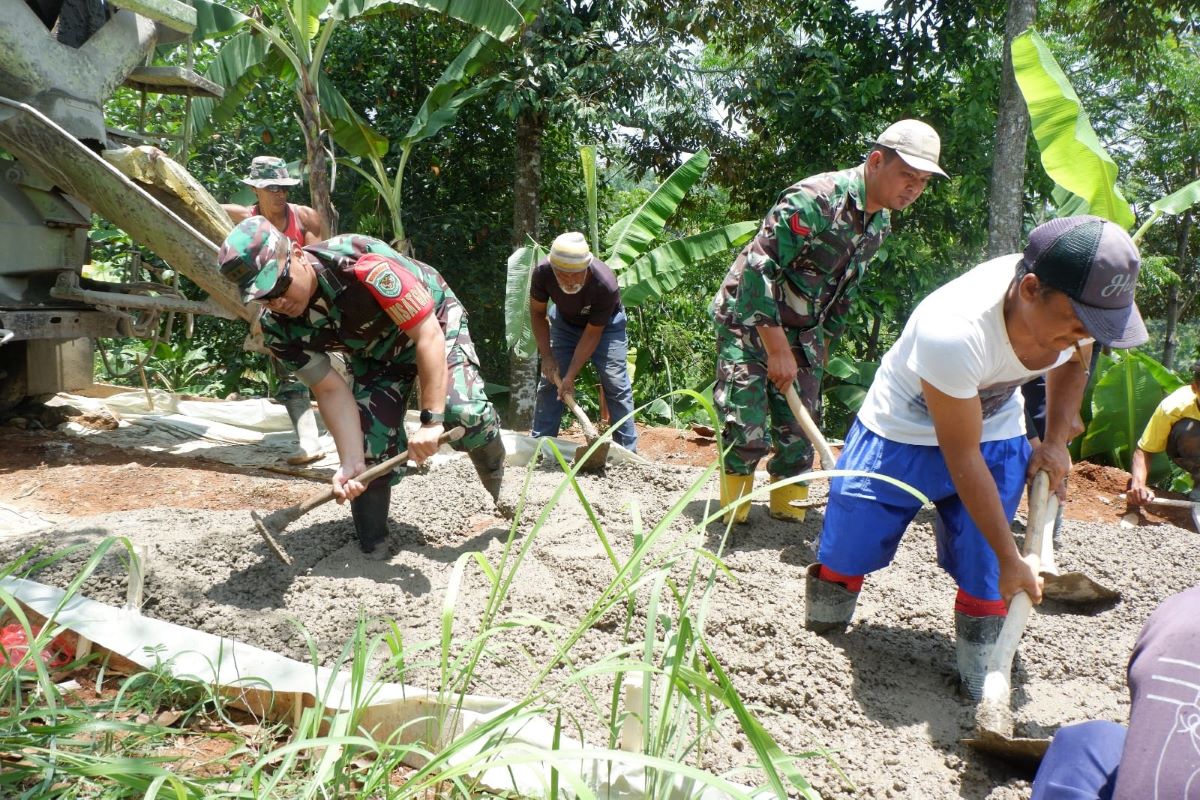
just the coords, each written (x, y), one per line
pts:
(275, 188)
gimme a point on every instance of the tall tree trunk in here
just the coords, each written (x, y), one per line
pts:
(1169, 340)
(318, 166)
(527, 184)
(1006, 193)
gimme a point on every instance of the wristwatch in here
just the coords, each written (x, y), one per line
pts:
(430, 417)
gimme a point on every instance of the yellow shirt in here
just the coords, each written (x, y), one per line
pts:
(1179, 404)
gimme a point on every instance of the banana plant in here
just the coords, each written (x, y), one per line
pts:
(643, 272)
(1084, 174)
(1129, 385)
(449, 95)
(293, 49)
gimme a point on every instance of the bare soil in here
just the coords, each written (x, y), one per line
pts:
(881, 698)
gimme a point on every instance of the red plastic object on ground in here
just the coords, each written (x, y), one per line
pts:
(16, 644)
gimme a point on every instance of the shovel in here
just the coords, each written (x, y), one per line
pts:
(811, 431)
(1067, 587)
(993, 715)
(1170, 502)
(273, 524)
(598, 458)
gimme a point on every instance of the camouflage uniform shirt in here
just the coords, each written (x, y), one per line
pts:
(802, 268)
(346, 315)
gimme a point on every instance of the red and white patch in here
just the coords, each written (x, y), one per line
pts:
(797, 225)
(399, 293)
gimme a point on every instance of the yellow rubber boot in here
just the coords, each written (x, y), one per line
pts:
(782, 498)
(733, 487)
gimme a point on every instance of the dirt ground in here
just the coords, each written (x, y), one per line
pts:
(881, 697)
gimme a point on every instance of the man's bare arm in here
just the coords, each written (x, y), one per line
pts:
(958, 425)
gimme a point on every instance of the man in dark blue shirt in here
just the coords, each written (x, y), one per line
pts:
(586, 323)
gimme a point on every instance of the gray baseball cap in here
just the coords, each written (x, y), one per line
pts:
(1095, 263)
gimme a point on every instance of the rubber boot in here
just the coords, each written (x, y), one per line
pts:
(370, 512)
(732, 487)
(489, 464)
(782, 498)
(304, 422)
(828, 607)
(976, 636)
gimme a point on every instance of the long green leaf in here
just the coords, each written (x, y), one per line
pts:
(481, 51)
(497, 17)
(518, 331)
(1071, 152)
(1123, 399)
(633, 234)
(661, 270)
(214, 19)
(1180, 201)
(238, 67)
(349, 130)
(587, 157)
(445, 114)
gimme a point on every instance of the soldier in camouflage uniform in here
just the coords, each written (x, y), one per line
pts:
(785, 299)
(395, 319)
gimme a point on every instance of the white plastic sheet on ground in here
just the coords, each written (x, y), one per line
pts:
(245, 673)
(246, 433)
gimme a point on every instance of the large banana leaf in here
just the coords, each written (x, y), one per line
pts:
(1180, 201)
(214, 19)
(242, 63)
(1067, 204)
(430, 121)
(446, 97)
(660, 270)
(518, 332)
(634, 233)
(497, 17)
(1174, 203)
(1123, 399)
(349, 130)
(1071, 152)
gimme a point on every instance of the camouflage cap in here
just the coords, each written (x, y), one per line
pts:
(269, 171)
(255, 256)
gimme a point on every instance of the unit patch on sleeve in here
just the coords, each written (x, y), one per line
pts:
(797, 225)
(402, 295)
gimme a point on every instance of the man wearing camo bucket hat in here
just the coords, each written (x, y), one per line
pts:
(270, 181)
(395, 319)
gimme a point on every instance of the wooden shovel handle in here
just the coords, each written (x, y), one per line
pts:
(1171, 502)
(589, 430)
(371, 473)
(810, 428)
(1021, 605)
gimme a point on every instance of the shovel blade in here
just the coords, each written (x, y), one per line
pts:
(1014, 749)
(593, 462)
(1196, 517)
(1075, 587)
(261, 527)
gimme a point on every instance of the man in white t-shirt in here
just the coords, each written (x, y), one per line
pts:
(945, 416)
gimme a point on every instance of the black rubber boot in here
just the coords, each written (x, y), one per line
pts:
(976, 636)
(370, 512)
(489, 464)
(828, 607)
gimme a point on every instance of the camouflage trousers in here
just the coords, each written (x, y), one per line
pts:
(755, 415)
(382, 397)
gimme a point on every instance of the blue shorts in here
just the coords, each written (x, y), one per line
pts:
(865, 518)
